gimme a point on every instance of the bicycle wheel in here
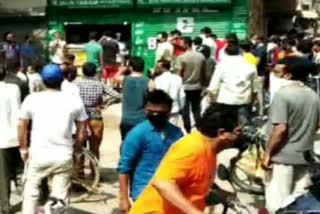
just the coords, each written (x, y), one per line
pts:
(88, 185)
(245, 181)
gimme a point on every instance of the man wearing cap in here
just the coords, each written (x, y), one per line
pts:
(52, 113)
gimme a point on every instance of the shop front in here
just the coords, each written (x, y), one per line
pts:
(139, 21)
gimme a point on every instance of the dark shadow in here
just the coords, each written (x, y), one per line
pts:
(16, 208)
(115, 211)
(108, 175)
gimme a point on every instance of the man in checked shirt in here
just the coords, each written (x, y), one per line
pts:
(91, 92)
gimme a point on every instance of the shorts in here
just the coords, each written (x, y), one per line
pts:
(109, 71)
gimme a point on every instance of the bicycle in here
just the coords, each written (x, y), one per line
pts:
(245, 169)
(229, 201)
(90, 185)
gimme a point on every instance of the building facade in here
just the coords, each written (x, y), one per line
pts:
(139, 21)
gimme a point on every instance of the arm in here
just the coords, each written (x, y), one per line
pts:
(203, 72)
(131, 149)
(182, 97)
(81, 136)
(23, 138)
(151, 85)
(170, 191)
(214, 85)
(279, 119)
(119, 77)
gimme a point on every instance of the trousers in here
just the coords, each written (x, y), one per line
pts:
(284, 182)
(193, 99)
(59, 171)
(10, 162)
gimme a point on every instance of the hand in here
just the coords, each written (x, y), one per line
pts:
(24, 154)
(266, 162)
(125, 206)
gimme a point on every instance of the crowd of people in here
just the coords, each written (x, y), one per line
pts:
(48, 114)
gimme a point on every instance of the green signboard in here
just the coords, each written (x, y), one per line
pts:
(195, 3)
(92, 3)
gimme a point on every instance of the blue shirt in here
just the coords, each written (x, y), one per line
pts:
(134, 90)
(28, 53)
(142, 152)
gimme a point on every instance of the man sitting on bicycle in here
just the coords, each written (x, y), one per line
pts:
(53, 114)
(295, 118)
(185, 175)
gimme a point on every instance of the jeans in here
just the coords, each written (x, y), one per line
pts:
(59, 171)
(193, 98)
(10, 161)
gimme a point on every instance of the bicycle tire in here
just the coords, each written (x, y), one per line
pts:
(244, 187)
(95, 181)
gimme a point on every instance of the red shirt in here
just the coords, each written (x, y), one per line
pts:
(177, 44)
(220, 45)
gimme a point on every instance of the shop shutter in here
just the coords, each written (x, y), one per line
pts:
(221, 23)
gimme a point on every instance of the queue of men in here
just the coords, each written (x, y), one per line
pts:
(161, 170)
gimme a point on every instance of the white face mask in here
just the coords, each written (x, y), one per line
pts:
(277, 83)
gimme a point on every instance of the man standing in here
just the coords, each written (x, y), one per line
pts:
(135, 88)
(12, 50)
(165, 48)
(145, 146)
(53, 114)
(94, 52)
(233, 83)
(206, 36)
(57, 49)
(91, 92)
(177, 43)
(191, 66)
(185, 175)
(28, 53)
(295, 118)
(172, 85)
(11, 77)
(110, 51)
(10, 158)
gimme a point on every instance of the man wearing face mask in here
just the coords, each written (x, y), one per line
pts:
(144, 148)
(295, 118)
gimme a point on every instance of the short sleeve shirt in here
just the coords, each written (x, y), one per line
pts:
(94, 52)
(53, 114)
(191, 164)
(191, 63)
(299, 108)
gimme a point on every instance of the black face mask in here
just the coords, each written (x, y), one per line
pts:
(159, 121)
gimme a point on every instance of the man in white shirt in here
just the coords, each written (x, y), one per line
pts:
(9, 146)
(52, 113)
(172, 85)
(165, 48)
(206, 36)
(57, 47)
(233, 83)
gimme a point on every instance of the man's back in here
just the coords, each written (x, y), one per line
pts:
(94, 51)
(299, 108)
(9, 109)
(172, 85)
(191, 62)
(135, 90)
(53, 114)
(110, 50)
(184, 164)
(233, 80)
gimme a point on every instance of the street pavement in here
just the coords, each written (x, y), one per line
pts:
(108, 202)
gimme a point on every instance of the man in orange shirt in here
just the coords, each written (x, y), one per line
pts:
(186, 173)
